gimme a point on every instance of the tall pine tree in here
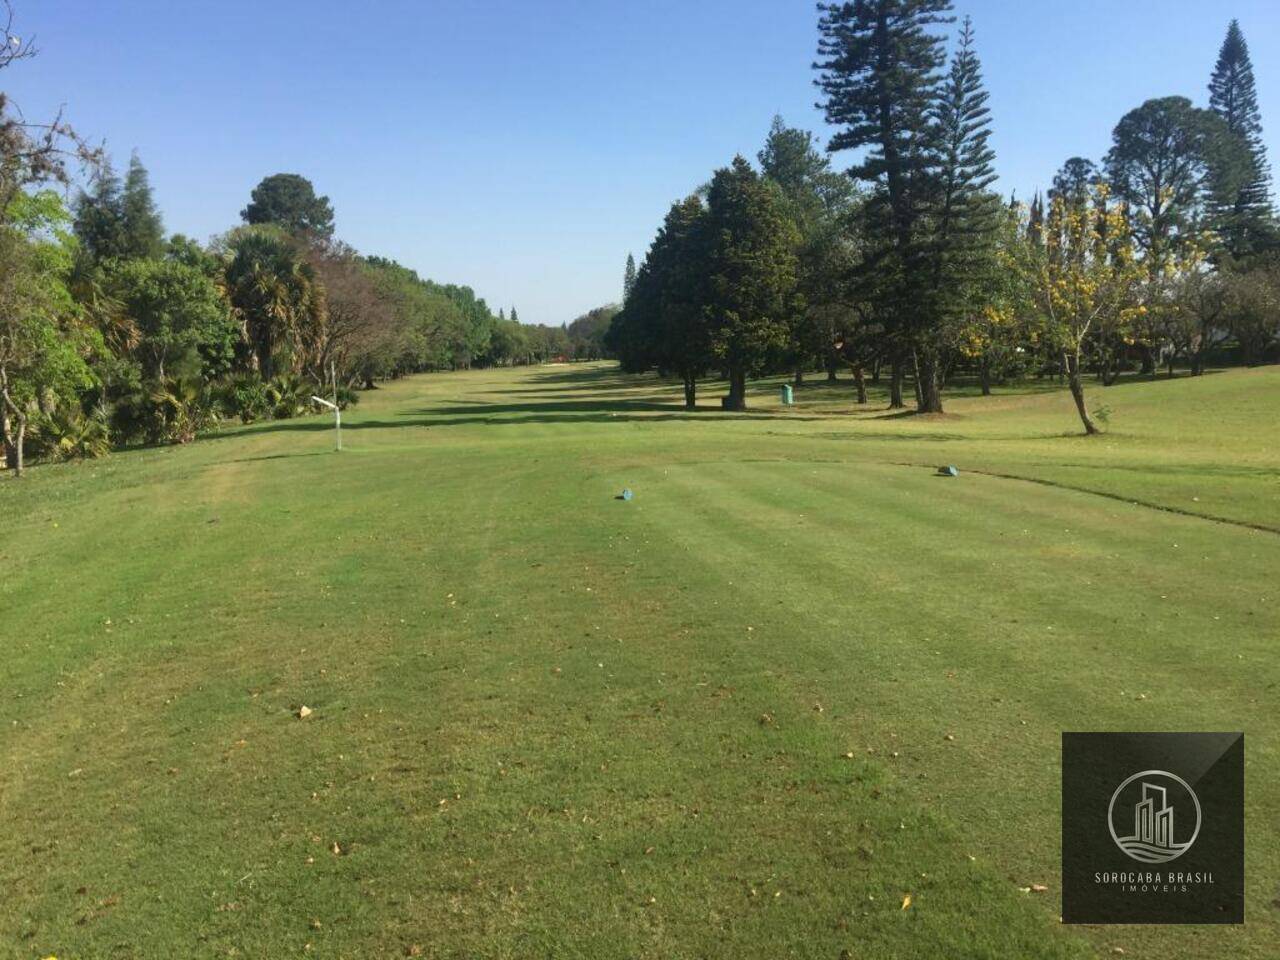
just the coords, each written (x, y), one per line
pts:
(1074, 182)
(628, 278)
(1247, 216)
(968, 213)
(751, 294)
(98, 216)
(880, 72)
(143, 231)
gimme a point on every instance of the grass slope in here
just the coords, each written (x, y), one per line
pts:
(796, 680)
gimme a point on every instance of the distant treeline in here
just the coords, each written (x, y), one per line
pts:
(113, 332)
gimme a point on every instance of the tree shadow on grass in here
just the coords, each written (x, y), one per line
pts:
(513, 415)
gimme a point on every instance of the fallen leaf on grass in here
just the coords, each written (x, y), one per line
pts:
(906, 901)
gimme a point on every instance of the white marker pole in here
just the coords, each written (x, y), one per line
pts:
(337, 415)
(337, 411)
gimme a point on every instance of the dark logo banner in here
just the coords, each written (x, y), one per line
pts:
(1153, 827)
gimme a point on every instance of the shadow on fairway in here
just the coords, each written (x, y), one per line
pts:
(512, 415)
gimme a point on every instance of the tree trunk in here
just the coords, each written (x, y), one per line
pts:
(690, 391)
(1148, 361)
(928, 388)
(875, 370)
(1072, 363)
(1197, 363)
(984, 377)
(799, 377)
(895, 386)
(737, 389)
(13, 442)
(860, 383)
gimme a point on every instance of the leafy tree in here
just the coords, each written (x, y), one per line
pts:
(819, 202)
(1167, 162)
(1253, 308)
(994, 328)
(751, 292)
(879, 64)
(1233, 96)
(509, 343)
(1084, 276)
(289, 200)
(433, 328)
(1189, 304)
(588, 333)
(44, 345)
(361, 321)
(182, 249)
(181, 317)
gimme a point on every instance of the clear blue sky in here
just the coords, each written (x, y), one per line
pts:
(525, 147)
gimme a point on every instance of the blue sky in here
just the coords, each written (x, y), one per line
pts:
(525, 147)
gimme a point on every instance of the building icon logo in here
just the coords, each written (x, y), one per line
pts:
(1154, 816)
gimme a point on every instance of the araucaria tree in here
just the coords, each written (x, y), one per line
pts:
(879, 69)
(1248, 225)
(751, 293)
(967, 215)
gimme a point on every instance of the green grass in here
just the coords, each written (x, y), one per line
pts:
(798, 678)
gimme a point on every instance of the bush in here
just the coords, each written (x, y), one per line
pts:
(246, 398)
(70, 434)
(289, 396)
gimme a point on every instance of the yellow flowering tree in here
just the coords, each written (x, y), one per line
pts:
(1086, 282)
(992, 332)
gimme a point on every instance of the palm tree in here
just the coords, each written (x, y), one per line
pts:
(274, 292)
